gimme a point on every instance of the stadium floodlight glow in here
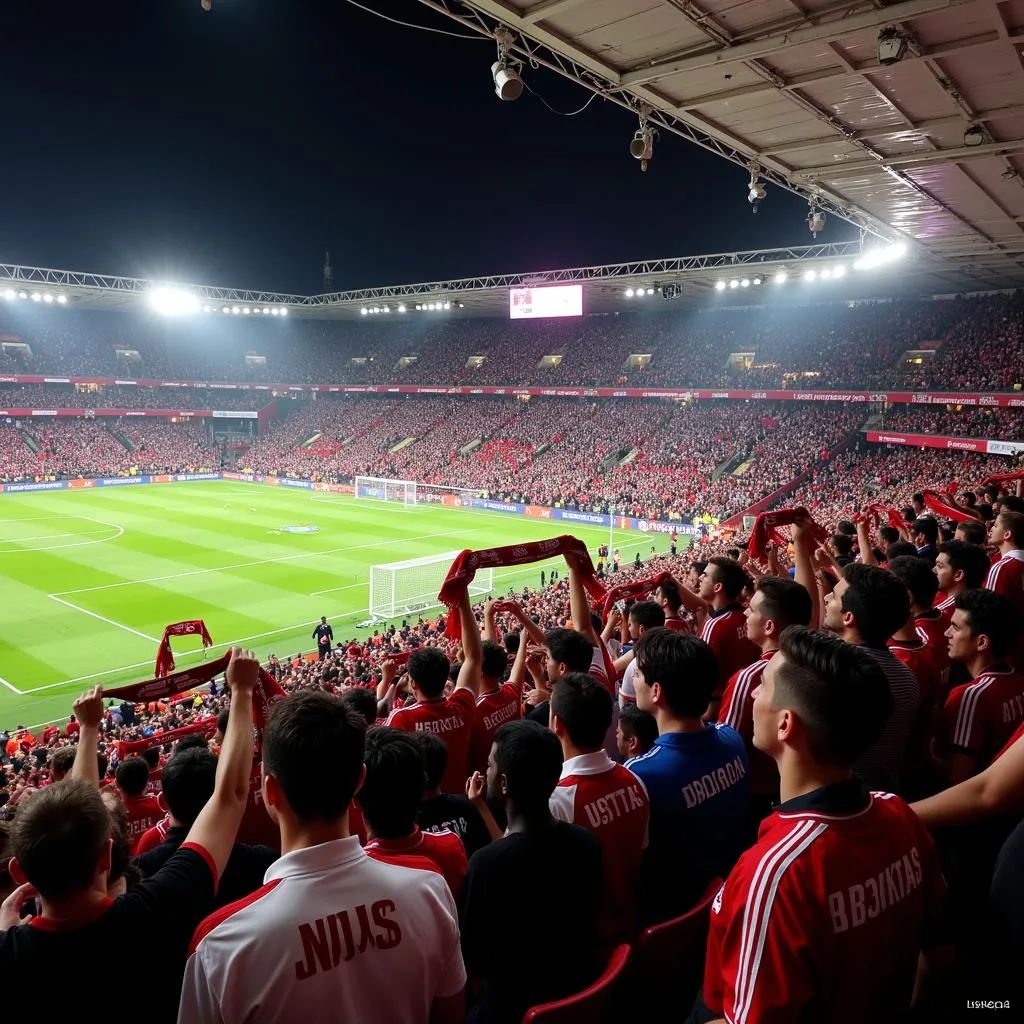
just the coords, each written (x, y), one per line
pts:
(225, 309)
(363, 311)
(719, 286)
(826, 273)
(757, 281)
(47, 297)
(809, 275)
(169, 301)
(745, 283)
(650, 291)
(880, 257)
(401, 309)
(22, 295)
(10, 295)
(266, 311)
(839, 271)
(62, 299)
(284, 311)
(447, 305)
(629, 293)
(734, 283)
(245, 310)
(780, 277)
(275, 311)
(235, 310)
(36, 297)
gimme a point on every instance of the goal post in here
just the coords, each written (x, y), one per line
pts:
(374, 488)
(411, 587)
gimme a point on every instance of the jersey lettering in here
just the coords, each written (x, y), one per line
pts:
(438, 725)
(502, 715)
(865, 900)
(613, 805)
(328, 942)
(713, 783)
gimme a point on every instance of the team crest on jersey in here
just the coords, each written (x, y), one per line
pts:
(716, 904)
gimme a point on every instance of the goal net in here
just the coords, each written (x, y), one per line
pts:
(411, 587)
(411, 492)
(373, 488)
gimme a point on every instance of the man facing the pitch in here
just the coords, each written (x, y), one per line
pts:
(324, 636)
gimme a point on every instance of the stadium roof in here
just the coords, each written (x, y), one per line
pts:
(930, 146)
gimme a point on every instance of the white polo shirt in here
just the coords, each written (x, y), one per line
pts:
(332, 935)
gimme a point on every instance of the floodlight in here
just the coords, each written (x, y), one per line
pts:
(734, 283)
(745, 283)
(780, 277)
(719, 286)
(235, 310)
(22, 295)
(974, 135)
(816, 220)
(757, 281)
(275, 312)
(10, 295)
(826, 273)
(62, 299)
(171, 301)
(36, 297)
(809, 275)
(447, 305)
(508, 85)
(839, 271)
(650, 291)
(284, 311)
(880, 257)
(642, 146)
(47, 297)
(892, 45)
(226, 309)
(419, 306)
(629, 293)
(401, 309)
(245, 310)
(363, 311)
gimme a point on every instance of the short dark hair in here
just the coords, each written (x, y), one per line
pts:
(584, 707)
(59, 835)
(888, 534)
(899, 548)
(222, 721)
(786, 602)
(730, 574)
(189, 780)
(313, 746)
(435, 757)
(1014, 523)
(393, 787)
(972, 531)
(917, 576)
(530, 758)
(363, 702)
(1011, 503)
(877, 600)
(648, 614)
(62, 760)
(640, 724)
(132, 776)
(843, 543)
(918, 497)
(846, 527)
(495, 660)
(927, 527)
(839, 693)
(428, 668)
(684, 665)
(194, 741)
(968, 558)
(670, 592)
(570, 648)
(992, 615)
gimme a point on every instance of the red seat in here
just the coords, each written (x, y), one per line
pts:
(668, 959)
(591, 1006)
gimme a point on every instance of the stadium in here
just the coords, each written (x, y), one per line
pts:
(768, 500)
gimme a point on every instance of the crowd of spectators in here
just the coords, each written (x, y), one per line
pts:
(62, 396)
(962, 421)
(974, 343)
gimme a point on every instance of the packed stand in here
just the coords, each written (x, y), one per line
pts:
(991, 424)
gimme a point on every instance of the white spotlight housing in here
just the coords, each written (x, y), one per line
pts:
(642, 146)
(974, 135)
(508, 85)
(816, 221)
(839, 271)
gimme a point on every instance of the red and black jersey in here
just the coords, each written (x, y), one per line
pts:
(737, 711)
(980, 716)
(824, 917)
(451, 720)
(725, 632)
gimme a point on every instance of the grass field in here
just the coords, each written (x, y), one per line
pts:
(90, 578)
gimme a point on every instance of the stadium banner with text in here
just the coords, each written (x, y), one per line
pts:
(198, 414)
(960, 444)
(995, 400)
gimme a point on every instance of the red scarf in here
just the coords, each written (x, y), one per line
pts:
(464, 568)
(624, 591)
(937, 503)
(398, 660)
(267, 691)
(158, 739)
(164, 656)
(895, 519)
(766, 529)
(1002, 478)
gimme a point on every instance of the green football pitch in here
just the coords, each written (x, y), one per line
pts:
(90, 578)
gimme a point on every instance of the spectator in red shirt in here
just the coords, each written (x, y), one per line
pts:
(143, 811)
(389, 799)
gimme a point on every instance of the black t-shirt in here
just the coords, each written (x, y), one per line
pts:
(456, 814)
(324, 634)
(243, 874)
(527, 911)
(143, 936)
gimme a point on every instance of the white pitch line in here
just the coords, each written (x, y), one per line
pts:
(53, 536)
(10, 686)
(334, 590)
(258, 561)
(103, 618)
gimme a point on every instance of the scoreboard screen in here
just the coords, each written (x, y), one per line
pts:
(551, 300)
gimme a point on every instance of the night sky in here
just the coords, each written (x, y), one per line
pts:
(149, 138)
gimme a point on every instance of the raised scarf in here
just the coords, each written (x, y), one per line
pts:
(624, 591)
(126, 748)
(766, 529)
(164, 655)
(938, 502)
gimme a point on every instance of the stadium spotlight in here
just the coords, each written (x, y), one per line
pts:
(47, 297)
(745, 283)
(719, 286)
(418, 305)
(755, 190)
(780, 277)
(757, 281)
(974, 135)
(892, 45)
(62, 299)
(245, 310)
(235, 310)
(22, 295)
(10, 295)
(650, 291)
(826, 273)
(734, 283)
(815, 219)
(880, 257)
(226, 309)
(508, 83)
(36, 297)
(809, 275)
(839, 271)
(447, 305)
(170, 301)
(401, 309)
(275, 312)
(363, 311)
(284, 311)
(629, 293)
